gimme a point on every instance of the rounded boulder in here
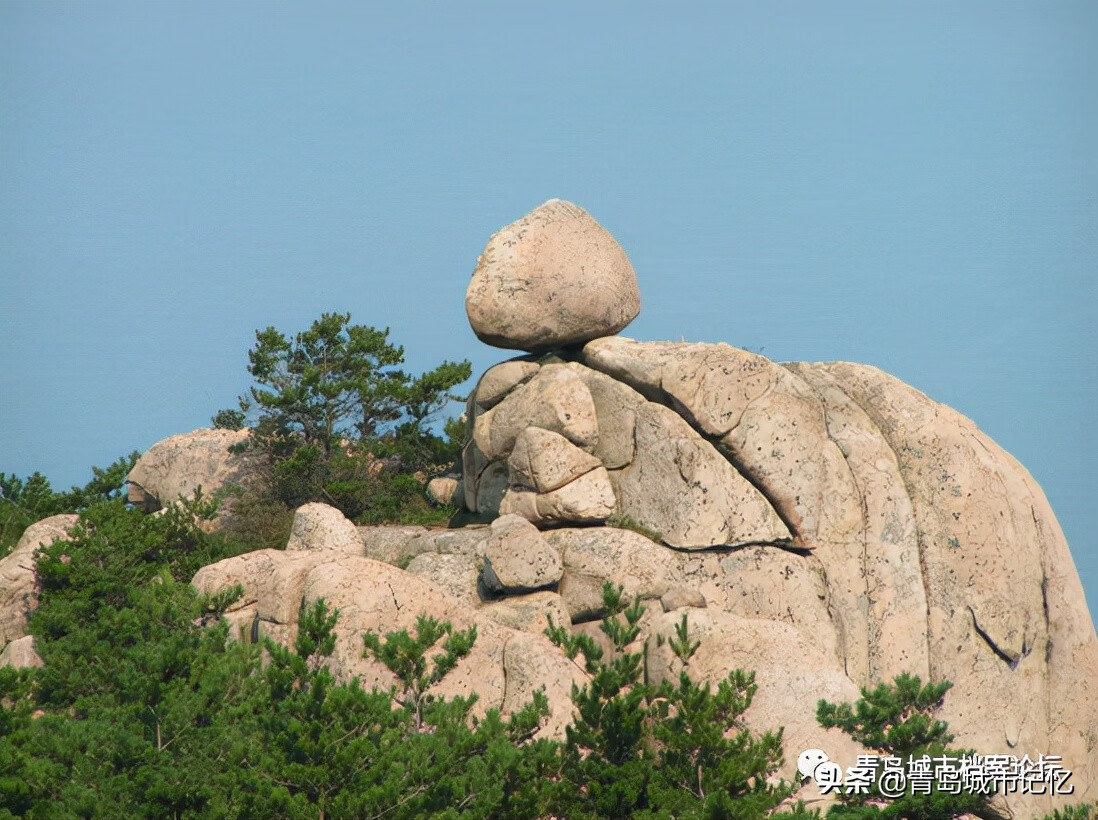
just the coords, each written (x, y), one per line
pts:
(553, 278)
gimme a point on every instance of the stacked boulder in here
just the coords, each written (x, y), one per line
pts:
(559, 437)
(910, 542)
(824, 525)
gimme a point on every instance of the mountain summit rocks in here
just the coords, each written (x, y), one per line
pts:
(553, 278)
(823, 525)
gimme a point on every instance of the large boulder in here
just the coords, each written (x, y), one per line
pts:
(680, 486)
(553, 278)
(766, 419)
(179, 465)
(544, 461)
(19, 578)
(1005, 618)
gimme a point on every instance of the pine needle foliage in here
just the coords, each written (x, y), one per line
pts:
(897, 720)
(640, 749)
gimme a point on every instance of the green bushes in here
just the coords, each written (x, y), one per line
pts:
(22, 502)
(141, 710)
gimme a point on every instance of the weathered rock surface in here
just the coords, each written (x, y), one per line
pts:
(501, 379)
(381, 598)
(459, 575)
(679, 486)
(791, 672)
(556, 399)
(1005, 617)
(391, 543)
(594, 555)
(21, 654)
(530, 612)
(446, 490)
(553, 278)
(517, 558)
(18, 574)
(321, 527)
(769, 422)
(179, 465)
(544, 461)
(931, 550)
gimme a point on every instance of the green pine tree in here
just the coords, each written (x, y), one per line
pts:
(897, 720)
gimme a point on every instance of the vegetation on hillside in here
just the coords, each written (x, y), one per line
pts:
(147, 706)
(24, 501)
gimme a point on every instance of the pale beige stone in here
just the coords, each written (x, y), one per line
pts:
(377, 597)
(556, 399)
(679, 597)
(615, 411)
(177, 466)
(531, 662)
(446, 491)
(529, 612)
(517, 558)
(501, 379)
(594, 555)
(679, 486)
(545, 461)
(459, 575)
(523, 503)
(553, 278)
(459, 541)
(319, 526)
(769, 422)
(21, 654)
(791, 672)
(874, 577)
(18, 574)
(391, 543)
(588, 499)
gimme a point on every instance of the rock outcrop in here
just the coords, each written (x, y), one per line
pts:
(21, 654)
(823, 525)
(319, 526)
(838, 526)
(505, 666)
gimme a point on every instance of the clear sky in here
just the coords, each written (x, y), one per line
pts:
(911, 185)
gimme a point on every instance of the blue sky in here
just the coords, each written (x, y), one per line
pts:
(914, 186)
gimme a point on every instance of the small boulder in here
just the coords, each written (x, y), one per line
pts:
(553, 278)
(501, 379)
(517, 557)
(446, 490)
(320, 527)
(21, 654)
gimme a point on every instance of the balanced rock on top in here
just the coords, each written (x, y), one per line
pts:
(553, 278)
